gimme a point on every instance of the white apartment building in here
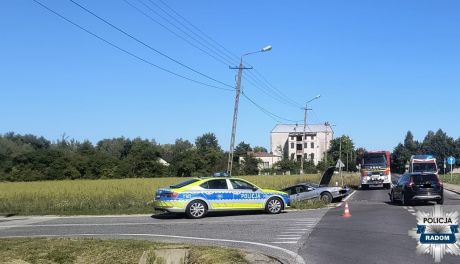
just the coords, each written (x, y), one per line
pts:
(286, 140)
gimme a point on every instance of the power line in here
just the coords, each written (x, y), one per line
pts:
(235, 57)
(126, 51)
(277, 90)
(172, 31)
(286, 100)
(178, 28)
(268, 113)
(146, 45)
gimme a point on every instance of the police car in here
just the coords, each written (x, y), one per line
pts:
(197, 196)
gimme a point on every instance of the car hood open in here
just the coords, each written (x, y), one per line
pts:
(327, 176)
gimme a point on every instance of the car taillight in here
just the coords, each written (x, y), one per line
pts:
(411, 183)
(387, 172)
(439, 181)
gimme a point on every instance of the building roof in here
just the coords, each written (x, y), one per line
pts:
(298, 128)
(262, 155)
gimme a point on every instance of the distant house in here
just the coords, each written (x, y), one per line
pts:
(163, 162)
(266, 159)
(286, 140)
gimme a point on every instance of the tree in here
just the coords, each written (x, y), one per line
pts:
(410, 144)
(260, 149)
(348, 148)
(399, 158)
(209, 153)
(440, 145)
(250, 165)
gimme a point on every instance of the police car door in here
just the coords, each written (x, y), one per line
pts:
(246, 195)
(219, 196)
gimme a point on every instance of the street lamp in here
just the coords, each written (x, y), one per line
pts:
(235, 109)
(304, 132)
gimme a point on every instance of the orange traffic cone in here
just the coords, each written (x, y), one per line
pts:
(347, 211)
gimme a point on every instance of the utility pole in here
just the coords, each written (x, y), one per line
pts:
(340, 159)
(235, 115)
(304, 132)
(325, 145)
(304, 138)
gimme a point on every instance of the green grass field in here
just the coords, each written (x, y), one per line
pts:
(120, 196)
(455, 178)
(97, 251)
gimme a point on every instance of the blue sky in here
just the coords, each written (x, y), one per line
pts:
(381, 67)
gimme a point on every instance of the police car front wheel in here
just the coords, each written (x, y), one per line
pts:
(196, 209)
(274, 206)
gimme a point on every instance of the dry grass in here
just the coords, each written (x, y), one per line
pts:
(120, 196)
(97, 251)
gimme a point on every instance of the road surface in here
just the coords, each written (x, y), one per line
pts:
(377, 232)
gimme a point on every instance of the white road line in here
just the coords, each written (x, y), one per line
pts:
(288, 238)
(302, 229)
(12, 225)
(349, 196)
(411, 210)
(405, 207)
(286, 242)
(291, 235)
(414, 214)
(296, 257)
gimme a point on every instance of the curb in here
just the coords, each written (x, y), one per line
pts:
(452, 190)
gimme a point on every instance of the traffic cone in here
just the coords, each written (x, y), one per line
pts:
(347, 211)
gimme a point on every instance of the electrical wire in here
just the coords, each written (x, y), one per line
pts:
(283, 98)
(147, 45)
(172, 31)
(126, 51)
(268, 113)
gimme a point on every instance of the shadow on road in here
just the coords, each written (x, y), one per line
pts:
(167, 216)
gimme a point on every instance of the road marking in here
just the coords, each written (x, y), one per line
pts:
(411, 210)
(291, 235)
(298, 229)
(293, 232)
(296, 257)
(405, 207)
(414, 214)
(349, 196)
(288, 238)
(12, 225)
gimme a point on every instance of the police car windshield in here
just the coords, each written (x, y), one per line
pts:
(185, 183)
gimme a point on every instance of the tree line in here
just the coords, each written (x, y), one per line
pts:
(438, 144)
(30, 158)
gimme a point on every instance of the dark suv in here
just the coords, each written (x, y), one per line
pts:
(417, 187)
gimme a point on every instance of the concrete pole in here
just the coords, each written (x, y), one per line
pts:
(235, 118)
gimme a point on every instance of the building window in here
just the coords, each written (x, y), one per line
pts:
(292, 145)
(312, 137)
(299, 146)
(292, 138)
(312, 145)
(266, 165)
(299, 138)
(305, 145)
(312, 156)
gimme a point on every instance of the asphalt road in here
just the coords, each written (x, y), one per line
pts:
(377, 232)
(280, 236)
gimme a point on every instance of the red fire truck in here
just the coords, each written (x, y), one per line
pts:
(375, 169)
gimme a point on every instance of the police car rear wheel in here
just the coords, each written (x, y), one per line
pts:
(196, 209)
(274, 206)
